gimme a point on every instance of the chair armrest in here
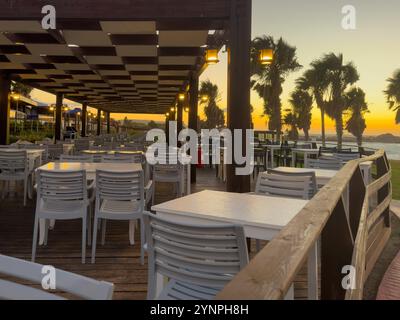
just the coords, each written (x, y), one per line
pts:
(91, 192)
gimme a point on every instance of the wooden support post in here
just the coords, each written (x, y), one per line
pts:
(239, 85)
(5, 84)
(84, 119)
(193, 114)
(59, 104)
(108, 122)
(98, 122)
(179, 117)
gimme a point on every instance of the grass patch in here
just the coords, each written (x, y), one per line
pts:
(396, 179)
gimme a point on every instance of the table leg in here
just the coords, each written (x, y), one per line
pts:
(188, 176)
(312, 273)
(132, 225)
(305, 159)
(293, 159)
(160, 284)
(272, 159)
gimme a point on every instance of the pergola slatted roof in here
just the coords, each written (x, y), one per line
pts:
(117, 65)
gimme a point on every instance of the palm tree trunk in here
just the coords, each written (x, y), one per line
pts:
(323, 127)
(359, 141)
(339, 131)
(306, 135)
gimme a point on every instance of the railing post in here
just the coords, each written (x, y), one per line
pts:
(337, 246)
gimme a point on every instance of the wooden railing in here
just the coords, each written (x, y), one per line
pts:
(349, 218)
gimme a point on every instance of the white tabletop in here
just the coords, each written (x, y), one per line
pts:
(322, 175)
(28, 151)
(243, 209)
(127, 152)
(91, 167)
(303, 150)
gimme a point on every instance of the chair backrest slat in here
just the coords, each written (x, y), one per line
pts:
(79, 158)
(328, 163)
(62, 186)
(120, 186)
(200, 255)
(293, 185)
(13, 162)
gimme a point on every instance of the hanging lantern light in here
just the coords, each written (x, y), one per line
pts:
(204, 98)
(186, 109)
(212, 56)
(266, 56)
(181, 97)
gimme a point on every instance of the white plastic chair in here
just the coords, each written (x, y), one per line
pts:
(119, 159)
(62, 196)
(137, 158)
(14, 166)
(327, 163)
(79, 286)
(82, 158)
(54, 151)
(347, 156)
(289, 185)
(198, 260)
(81, 144)
(119, 196)
(169, 173)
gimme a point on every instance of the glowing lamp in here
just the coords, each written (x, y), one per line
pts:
(212, 56)
(181, 97)
(266, 56)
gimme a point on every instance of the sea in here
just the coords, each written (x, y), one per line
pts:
(392, 149)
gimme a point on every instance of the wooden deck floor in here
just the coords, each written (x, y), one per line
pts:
(116, 262)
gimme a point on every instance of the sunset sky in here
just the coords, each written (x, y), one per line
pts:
(314, 27)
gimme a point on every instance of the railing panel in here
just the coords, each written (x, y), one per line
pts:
(346, 238)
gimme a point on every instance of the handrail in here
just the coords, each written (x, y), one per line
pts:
(271, 273)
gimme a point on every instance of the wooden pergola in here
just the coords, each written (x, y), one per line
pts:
(125, 56)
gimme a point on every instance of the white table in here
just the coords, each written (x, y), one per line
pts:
(90, 169)
(262, 217)
(323, 176)
(305, 152)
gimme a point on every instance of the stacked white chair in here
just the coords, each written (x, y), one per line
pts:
(327, 163)
(62, 196)
(137, 158)
(54, 151)
(119, 196)
(118, 159)
(14, 166)
(79, 286)
(81, 145)
(198, 260)
(289, 185)
(81, 158)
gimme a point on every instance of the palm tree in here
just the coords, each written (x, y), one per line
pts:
(291, 121)
(301, 102)
(340, 77)
(316, 83)
(21, 88)
(393, 94)
(355, 102)
(214, 115)
(268, 80)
